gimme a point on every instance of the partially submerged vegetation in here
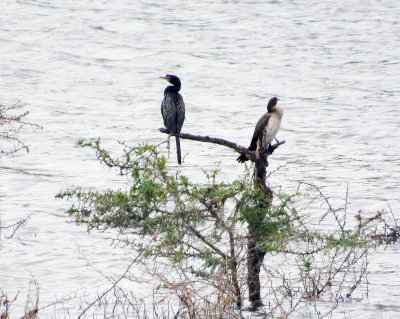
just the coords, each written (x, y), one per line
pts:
(193, 239)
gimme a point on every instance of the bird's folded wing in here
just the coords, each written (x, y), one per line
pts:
(261, 124)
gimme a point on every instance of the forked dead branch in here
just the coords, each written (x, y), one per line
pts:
(251, 155)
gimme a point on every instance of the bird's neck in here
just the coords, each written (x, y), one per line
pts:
(278, 111)
(172, 89)
(275, 109)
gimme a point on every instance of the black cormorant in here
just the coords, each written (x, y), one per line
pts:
(267, 127)
(173, 109)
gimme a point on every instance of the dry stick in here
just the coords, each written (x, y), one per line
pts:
(208, 243)
(108, 290)
(238, 148)
(113, 285)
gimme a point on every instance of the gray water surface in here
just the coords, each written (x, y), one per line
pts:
(90, 68)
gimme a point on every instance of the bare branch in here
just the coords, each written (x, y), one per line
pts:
(10, 127)
(238, 148)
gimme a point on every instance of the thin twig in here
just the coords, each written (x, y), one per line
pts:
(111, 287)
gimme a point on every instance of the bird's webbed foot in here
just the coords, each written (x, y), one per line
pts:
(271, 149)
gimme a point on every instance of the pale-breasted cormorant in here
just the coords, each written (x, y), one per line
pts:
(267, 127)
(173, 109)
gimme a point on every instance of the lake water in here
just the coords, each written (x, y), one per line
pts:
(90, 68)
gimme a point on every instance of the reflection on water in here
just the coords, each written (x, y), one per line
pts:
(89, 69)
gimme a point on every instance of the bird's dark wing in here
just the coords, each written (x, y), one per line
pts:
(260, 126)
(168, 112)
(180, 112)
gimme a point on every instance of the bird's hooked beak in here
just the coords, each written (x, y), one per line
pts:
(166, 78)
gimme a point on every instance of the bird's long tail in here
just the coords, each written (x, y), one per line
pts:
(178, 149)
